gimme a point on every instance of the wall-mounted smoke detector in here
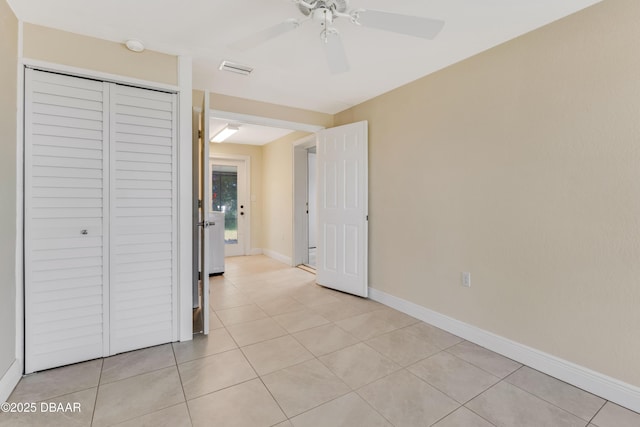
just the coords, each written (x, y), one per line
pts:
(233, 67)
(134, 45)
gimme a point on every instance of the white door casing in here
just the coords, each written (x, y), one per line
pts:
(342, 173)
(300, 198)
(100, 219)
(205, 197)
(312, 199)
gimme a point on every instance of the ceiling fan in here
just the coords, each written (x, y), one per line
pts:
(325, 12)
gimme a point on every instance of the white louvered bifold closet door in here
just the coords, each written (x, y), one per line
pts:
(143, 216)
(66, 174)
(100, 219)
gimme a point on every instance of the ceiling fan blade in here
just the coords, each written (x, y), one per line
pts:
(336, 56)
(416, 26)
(265, 35)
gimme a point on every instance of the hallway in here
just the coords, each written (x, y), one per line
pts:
(283, 351)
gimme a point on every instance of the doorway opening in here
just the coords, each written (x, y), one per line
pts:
(312, 221)
(305, 204)
(229, 195)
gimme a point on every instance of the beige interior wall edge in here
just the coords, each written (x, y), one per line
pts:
(75, 50)
(520, 166)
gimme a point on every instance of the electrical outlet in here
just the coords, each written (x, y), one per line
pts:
(466, 279)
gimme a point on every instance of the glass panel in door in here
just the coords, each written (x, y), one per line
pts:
(224, 199)
(228, 195)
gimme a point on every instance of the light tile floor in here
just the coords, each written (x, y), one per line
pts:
(285, 352)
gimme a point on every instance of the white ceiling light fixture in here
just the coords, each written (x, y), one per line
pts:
(225, 133)
(134, 45)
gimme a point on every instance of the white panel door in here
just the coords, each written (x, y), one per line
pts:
(342, 176)
(66, 220)
(143, 218)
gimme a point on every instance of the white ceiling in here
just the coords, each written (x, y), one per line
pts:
(291, 69)
(249, 133)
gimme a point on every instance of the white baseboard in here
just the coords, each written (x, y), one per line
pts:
(10, 379)
(255, 251)
(623, 394)
(277, 256)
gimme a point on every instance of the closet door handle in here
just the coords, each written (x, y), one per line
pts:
(84, 232)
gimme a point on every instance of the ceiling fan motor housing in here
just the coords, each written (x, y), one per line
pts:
(321, 7)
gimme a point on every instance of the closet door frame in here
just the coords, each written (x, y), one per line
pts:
(181, 263)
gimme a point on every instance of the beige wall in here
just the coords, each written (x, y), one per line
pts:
(61, 47)
(8, 121)
(521, 166)
(277, 187)
(255, 154)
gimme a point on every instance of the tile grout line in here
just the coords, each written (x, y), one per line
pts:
(474, 412)
(445, 416)
(482, 369)
(596, 414)
(175, 359)
(95, 401)
(149, 372)
(449, 396)
(551, 403)
(142, 373)
(369, 404)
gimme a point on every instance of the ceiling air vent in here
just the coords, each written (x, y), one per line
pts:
(245, 70)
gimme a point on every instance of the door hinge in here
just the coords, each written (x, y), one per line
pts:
(367, 217)
(199, 134)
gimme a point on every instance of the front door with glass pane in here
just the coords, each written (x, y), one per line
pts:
(228, 195)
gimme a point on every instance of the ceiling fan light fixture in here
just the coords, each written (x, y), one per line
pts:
(225, 133)
(323, 16)
(233, 67)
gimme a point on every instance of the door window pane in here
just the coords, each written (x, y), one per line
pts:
(224, 198)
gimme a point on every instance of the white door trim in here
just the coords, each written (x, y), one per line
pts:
(205, 187)
(98, 75)
(300, 223)
(264, 121)
(185, 200)
(19, 267)
(247, 248)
